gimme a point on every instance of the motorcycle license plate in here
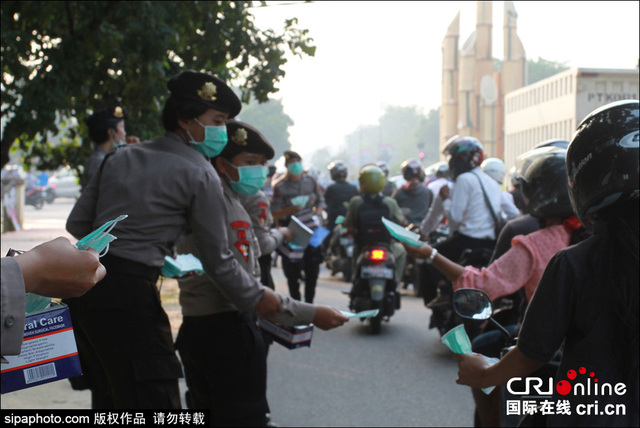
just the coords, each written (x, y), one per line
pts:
(376, 272)
(346, 241)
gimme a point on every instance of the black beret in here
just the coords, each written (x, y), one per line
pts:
(206, 89)
(107, 115)
(291, 155)
(245, 138)
(104, 119)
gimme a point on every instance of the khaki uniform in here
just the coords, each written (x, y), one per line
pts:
(222, 351)
(13, 307)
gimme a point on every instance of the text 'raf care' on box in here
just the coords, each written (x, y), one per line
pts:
(49, 351)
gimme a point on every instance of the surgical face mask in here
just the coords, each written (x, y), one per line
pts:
(215, 140)
(251, 178)
(119, 143)
(100, 238)
(295, 168)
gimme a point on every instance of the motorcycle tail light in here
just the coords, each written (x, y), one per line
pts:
(377, 255)
(53, 186)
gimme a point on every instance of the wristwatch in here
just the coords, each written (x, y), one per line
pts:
(432, 256)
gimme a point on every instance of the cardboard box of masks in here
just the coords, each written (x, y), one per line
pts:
(289, 337)
(49, 351)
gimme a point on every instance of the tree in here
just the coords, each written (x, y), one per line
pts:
(272, 121)
(62, 60)
(542, 68)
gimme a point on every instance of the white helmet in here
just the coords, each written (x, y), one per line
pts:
(494, 168)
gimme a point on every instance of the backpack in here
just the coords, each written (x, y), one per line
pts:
(370, 229)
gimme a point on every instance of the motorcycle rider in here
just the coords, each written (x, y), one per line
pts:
(337, 197)
(338, 194)
(467, 212)
(365, 212)
(413, 197)
(588, 295)
(542, 174)
(389, 186)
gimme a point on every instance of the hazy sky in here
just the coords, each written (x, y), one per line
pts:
(377, 53)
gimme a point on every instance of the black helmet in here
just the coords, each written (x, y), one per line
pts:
(543, 179)
(338, 170)
(466, 153)
(411, 169)
(383, 166)
(553, 142)
(602, 158)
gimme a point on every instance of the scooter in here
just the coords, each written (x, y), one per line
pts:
(374, 285)
(476, 306)
(35, 196)
(340, 254)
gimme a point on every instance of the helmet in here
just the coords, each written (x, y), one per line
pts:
(494, 168)
(372, 179)
(338, 170)
(411, 169)
(466, 153)
(543, 180)
(557, 143)
(383, 166)
(602, 158)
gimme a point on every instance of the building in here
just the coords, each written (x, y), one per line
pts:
(472, 92)
(555, 106)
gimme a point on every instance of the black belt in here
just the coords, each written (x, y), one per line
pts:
(129, 267)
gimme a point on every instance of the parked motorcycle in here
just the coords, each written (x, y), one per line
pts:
(476, 307)
(374, 285)
(340, 254)
(35, 196)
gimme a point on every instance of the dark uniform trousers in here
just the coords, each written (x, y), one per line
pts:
(226, 365)
(124, 340)
(293, 269)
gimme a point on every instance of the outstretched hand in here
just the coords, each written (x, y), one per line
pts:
(327, 318)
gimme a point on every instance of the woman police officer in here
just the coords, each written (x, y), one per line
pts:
(165, 186)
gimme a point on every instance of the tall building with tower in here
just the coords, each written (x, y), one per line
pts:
(472, 91)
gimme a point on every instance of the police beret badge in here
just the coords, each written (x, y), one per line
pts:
(117, 112)
(240, 137)
(208, 91)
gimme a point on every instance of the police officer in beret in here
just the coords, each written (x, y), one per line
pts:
(296, 183)
(107, 131)
(216, 333)
(166, 186)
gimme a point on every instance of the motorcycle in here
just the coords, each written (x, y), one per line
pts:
(340, 254)
(374, 285)
(35, 196)
(475, 306)
(50, 193)
(443, 317)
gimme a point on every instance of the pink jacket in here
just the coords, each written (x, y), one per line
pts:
(521, 266)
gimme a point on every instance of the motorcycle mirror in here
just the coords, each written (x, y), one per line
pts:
(472, 304)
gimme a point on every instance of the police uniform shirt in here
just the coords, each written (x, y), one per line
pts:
(13, 307)
(166, 188)
(285, 190)
(259, 209)
(93, 165)
(203, 295)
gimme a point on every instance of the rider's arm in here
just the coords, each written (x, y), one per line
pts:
(474, 371)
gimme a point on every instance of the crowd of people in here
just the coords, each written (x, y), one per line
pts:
(565, 235)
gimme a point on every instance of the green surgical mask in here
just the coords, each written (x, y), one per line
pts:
(295, 168)
(251, 178)
(100, 238)
(215, 140)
